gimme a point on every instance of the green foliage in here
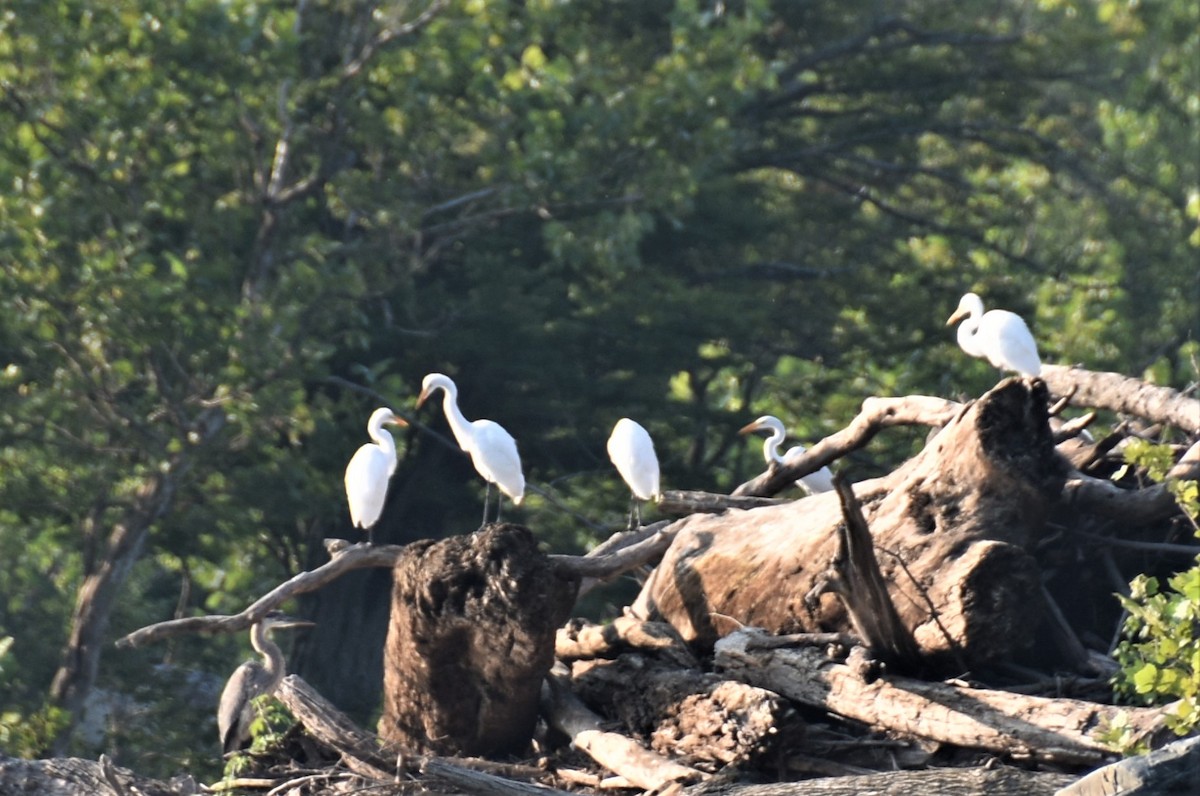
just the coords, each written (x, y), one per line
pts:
(1160, 652)
(271, 723)
(23, 734)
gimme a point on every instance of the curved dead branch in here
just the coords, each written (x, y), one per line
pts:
(876, 414)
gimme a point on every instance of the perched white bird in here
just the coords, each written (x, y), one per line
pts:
(369, 470)
(252, 679)
(820, 481)
(493, 451)
(632, 452)
(999, 336)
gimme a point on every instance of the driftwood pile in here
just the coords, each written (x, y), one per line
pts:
(891, 636)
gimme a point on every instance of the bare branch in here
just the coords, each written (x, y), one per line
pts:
(389, 35)
(1119, 393)
(350, 558)
(876, 415)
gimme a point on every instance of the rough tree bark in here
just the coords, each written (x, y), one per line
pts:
(1120, 393)
(471, 639)
(1014, 725)
(701, 719)
(951, 528)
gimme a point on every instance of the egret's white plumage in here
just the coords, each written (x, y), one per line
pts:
(999, 336)
(819, 481)
(252, 679)
(632, 453)
(493, 451)
(369, 470)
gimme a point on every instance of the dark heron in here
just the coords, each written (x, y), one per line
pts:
(253, 679)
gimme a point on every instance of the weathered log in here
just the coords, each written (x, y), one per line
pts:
(71, 776)
(1119, 393)
(1013, 725)
(582, 639)
(359, 750)
(951, 527)
(1173, 769)
(1104, 498)
(471, 638)
(617, 753)
(991, 781)
(855, 577)
(699, 718)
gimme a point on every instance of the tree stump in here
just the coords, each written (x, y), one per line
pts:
(951, 528)
(470, 640)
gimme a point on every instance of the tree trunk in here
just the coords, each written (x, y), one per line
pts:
(94, 602)
(471, 639)
(951, 527)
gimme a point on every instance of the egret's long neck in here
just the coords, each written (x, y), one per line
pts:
(771, 446)
(454, 416)
(966, 335)
(382, 438)
(271, 654)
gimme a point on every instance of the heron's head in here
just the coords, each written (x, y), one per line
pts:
(386, 417)
(764, 423)
(278, 620)
(969, 304)
(434, 382)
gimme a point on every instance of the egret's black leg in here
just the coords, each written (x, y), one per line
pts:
(487, 498)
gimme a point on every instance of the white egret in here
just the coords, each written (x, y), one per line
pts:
(819, 481)
(999, 336)
(632, 452)
(369, 470)
(251, 680)
(493, 451)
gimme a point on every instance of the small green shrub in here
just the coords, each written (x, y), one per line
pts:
(1160, 652)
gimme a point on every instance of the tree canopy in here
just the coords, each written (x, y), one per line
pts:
(232, 229)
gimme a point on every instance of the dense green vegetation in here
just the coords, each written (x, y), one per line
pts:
(229, 230)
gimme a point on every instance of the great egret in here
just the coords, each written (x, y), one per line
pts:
(493, 451)
(253, 679)
(819, 481)
(369, 470)
(632, 452)
(999, 336)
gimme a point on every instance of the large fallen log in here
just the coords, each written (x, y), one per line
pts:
(951, 528)
(1016, 726)
(620, 754)
(991, 781)
(71, 776)
(699, 718)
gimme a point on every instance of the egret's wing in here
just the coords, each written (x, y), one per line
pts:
(235, 712)
(820, 481)
(366, 484)
(632, 452)
(494, 453)
(1011, 345)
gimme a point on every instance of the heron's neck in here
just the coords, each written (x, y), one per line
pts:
(771, 446)
(454, 416)
(967, 331)
(271, 654)
(382, 438)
